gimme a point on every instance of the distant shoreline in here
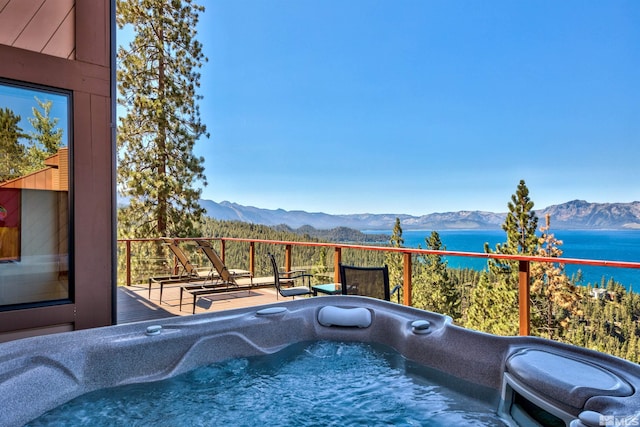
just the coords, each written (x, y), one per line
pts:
(573, 215)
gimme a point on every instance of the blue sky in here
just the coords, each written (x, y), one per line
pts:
(420, 106)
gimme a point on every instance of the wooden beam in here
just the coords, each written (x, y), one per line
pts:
(406, 280)
(287, 258)
(337, 259)
(252, 257)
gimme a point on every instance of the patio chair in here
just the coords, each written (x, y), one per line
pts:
(219, 271)
(367, 281)
(283, 279)
(220, 278)
(187, 272)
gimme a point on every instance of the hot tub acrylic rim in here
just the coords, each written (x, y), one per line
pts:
(17, 355)
(450, 348)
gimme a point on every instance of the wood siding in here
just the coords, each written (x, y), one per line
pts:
(44, 26)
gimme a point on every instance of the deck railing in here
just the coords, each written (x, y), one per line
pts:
(523, 264)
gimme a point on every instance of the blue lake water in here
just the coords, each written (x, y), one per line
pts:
(611, 245)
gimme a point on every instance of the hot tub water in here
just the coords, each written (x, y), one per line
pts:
(307, 384)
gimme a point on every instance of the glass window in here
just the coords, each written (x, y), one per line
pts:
(34, 195)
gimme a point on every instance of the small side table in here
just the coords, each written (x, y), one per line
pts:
(328, 288)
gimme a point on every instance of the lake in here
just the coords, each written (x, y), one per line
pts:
(611, 245)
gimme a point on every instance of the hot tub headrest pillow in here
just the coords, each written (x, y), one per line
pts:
(351, 317)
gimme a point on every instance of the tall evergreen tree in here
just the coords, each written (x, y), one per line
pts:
(46, 138)
(520, 226)
(13, 159)
(432, 289)
(47, 133)
(394, 260)
(157, 83)
(320, 267)
(554, 297)
(492, 308)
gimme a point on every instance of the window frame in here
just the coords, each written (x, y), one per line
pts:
(69, 122)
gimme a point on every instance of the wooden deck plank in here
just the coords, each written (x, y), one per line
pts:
(132, 307)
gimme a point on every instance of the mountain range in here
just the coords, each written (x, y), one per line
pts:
(576, 214)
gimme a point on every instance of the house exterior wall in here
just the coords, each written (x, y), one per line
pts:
(45, 26)
(76, 57)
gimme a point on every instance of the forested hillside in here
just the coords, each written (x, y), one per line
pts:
(338, 234)
(316, 258)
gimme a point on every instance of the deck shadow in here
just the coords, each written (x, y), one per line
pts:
(134, 308)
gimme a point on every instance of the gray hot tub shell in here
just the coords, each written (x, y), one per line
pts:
(40, 373)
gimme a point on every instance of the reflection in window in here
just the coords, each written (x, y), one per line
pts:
(34, 195)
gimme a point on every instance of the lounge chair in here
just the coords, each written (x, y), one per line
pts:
(367, 281)
(219, 270)
(220, 278)
(287, 278)
(187, 272)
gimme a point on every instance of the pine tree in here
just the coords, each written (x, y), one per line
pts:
(554, 297)
(320, 267)
(46, 138)
(394, 260)
(47, 134)
(520, 226)
(158, 79)
(13, 160)
(433, 290)
(492, 307)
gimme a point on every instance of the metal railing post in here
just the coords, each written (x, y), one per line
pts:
(222, 249)
(406, 280)
(523, 298)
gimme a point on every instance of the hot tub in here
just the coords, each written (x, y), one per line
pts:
(539, 382)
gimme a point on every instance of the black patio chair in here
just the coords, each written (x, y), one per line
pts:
(367, 281)
(287, 278)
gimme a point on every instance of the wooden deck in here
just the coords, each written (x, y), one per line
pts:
(134, 304)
